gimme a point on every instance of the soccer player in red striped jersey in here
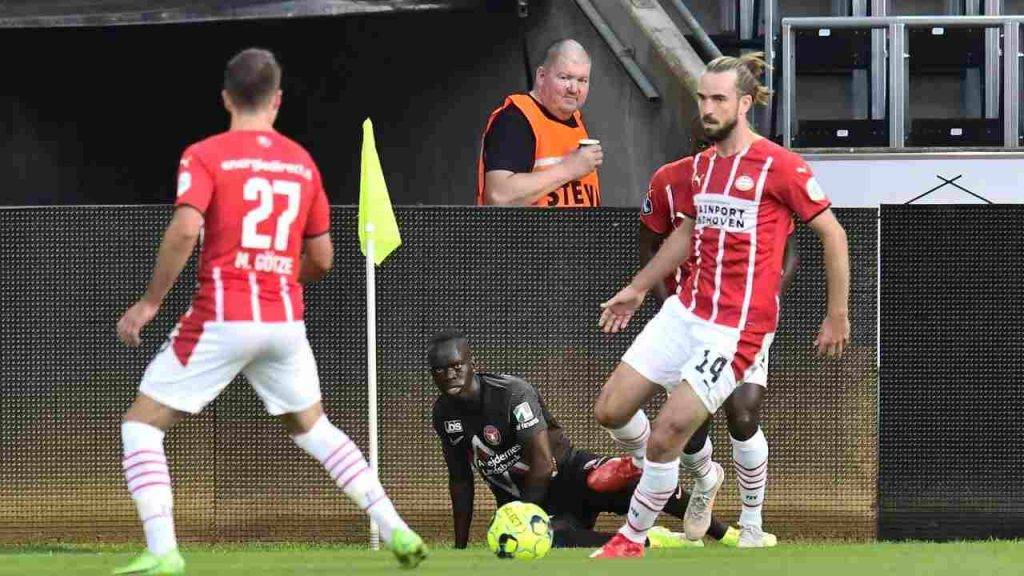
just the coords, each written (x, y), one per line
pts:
(255, 199)
(658, 218)
(706, 340)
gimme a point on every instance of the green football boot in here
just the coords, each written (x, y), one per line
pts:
(731, 538)
(661, 537)
(149, 564)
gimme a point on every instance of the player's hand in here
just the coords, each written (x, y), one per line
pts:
(583, 161)
(617, 311)
(833, 336)
(134, 320)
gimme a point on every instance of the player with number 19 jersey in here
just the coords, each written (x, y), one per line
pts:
(261, 196)
(720, 325)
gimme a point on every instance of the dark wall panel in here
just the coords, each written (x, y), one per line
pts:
(952, 364)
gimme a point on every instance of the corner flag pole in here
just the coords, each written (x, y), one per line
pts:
(378, 238)
(371, 364)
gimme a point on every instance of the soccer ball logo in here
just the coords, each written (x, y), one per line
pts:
(521, 531)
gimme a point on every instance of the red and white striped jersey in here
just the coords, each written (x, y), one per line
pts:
(743, 206)
(660, 213)
(261, 195)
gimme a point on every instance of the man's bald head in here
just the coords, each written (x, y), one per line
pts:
(565, 48)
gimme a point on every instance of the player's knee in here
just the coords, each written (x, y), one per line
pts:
(743, 423)
(667, 439)
(608, 417)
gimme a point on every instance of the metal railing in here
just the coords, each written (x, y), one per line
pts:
(890, 74)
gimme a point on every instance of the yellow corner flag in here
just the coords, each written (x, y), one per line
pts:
(376, 218)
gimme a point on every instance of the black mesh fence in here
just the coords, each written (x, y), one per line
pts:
(952, 362)
(525, 287)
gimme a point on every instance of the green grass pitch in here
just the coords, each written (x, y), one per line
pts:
(991, 558)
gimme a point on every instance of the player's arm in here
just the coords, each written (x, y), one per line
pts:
(650, 241)
(835, 329)
(542, 466)
(179, 240)
(673, 252)
(460, 484)
(790, 263)
(317, 249)
(460, 489)
(529, 420)
(317, 258)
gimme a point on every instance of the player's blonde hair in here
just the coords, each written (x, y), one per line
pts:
(748, 69)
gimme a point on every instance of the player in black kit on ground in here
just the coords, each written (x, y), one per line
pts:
(499, 425)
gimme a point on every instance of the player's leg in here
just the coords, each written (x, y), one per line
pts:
(287, 381)
(652, 362)
(571, 531)
(178, 381)
(673, 350)
(678, 419)
(571, 537)
(618, 503)
(750, 458)
(618, 409)
(149, 483)
(575, 507)
(749, 446)
(345, 464)
(696, 458)
(676, 506)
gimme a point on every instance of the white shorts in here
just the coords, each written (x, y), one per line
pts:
(758, 373)
(676, 345)
(188, 373)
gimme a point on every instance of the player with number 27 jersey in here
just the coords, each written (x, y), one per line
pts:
(261, 196)
(254, 200)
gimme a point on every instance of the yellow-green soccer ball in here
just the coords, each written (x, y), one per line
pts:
(520, 531)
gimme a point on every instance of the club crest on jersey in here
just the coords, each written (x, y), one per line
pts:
(744, 183)
(648, 207)
(453, 426)
(491, 435)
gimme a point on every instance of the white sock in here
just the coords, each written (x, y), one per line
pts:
(699, 467)
(633, 436)
(750, 458)
(342, 459)
(149, 482)
(658, 483)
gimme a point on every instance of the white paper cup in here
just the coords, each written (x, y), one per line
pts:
(588, 142)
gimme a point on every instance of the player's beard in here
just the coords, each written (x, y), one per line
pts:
(718, 132)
